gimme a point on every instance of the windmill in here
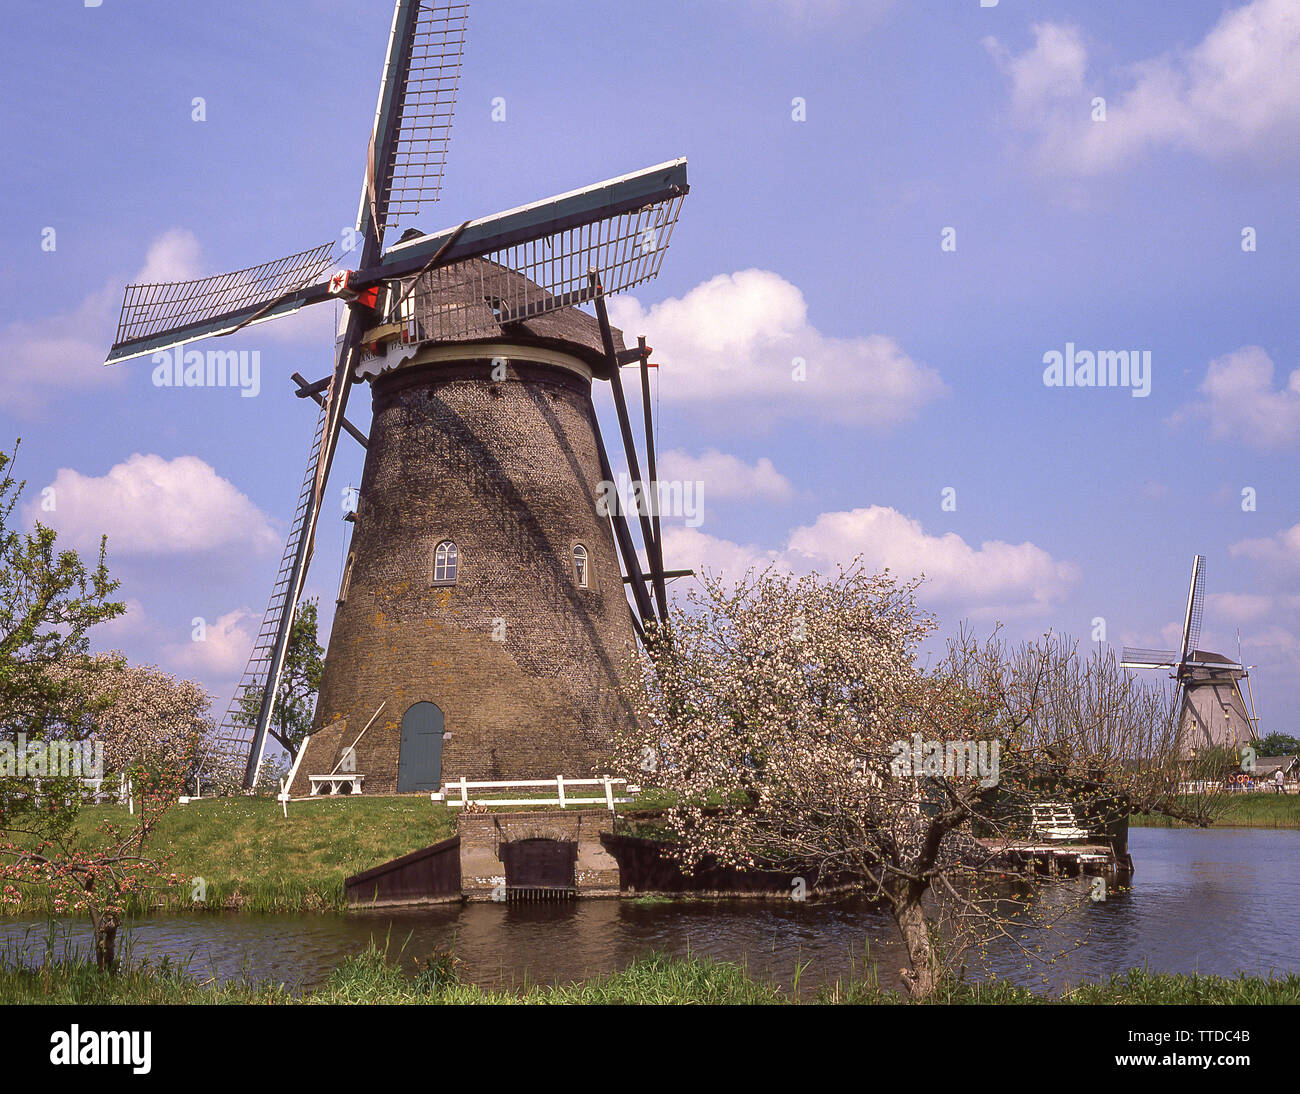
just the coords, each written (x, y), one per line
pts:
(1211, 710)
(482, 616)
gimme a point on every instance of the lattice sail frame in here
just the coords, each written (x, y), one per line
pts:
(168, 308)
(475, 297)
(428, 95)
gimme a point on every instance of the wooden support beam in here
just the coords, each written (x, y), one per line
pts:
(668, 574)
(655, 549)
(313, 391)
(623, 534)
(629, 449)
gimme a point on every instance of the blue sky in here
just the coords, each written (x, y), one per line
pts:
(816, 239)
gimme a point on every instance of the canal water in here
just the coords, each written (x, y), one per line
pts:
(1218, 901)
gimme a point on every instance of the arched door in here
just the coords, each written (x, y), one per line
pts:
(419, 762)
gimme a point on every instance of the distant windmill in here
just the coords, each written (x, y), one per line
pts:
(1211, 711)
(482, 601)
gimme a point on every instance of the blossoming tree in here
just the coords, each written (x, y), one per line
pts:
(790, 723)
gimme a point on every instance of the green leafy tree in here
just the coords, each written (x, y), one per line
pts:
(49, 599)
(1278, 744)
(52, 691)
(295, 702)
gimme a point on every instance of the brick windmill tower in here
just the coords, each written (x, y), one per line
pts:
(482, 624)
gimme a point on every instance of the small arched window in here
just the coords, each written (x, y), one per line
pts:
(347, 577)
(580, 565)
(445, 562)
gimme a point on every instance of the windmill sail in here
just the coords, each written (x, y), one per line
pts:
(537, 258)
(160, 315)
(420, 80)
(1195, 610)
(1135, 657)
(236, 735)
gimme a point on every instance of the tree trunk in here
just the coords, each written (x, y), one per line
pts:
(104, 927)
(922, 978)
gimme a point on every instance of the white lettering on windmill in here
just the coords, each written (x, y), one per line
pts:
(181, 367)
(1104, 368)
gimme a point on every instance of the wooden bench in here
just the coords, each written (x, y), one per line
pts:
(335, 783)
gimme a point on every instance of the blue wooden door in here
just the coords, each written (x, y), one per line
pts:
(419, 762)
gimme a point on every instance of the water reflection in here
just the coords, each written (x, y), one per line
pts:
(1213, 902)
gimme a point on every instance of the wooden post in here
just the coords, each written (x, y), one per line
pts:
(609, 794)
(559, 782)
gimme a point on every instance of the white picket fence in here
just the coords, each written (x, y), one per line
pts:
(462, 787)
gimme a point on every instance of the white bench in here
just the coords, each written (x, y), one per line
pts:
(1056, 821)
(335, 783)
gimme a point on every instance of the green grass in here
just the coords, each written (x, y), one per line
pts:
(253, 859)
(1258, 809)
(371, 978)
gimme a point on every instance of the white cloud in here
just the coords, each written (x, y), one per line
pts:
(737, 340)
(1003, 579)
(1282, 549)
(223, 650)
(726, 476)
(1237, 92)
(1240, 402)
(149, 505)
(173, 256)
(1239, 607)
(41, 359)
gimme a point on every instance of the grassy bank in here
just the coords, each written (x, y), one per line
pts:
(252, 858)
(657, 979)
(1253, 810)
